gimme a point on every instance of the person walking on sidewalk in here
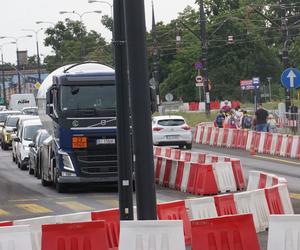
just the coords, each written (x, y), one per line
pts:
(261, 116)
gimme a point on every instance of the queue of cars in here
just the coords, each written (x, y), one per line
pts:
(23, 132)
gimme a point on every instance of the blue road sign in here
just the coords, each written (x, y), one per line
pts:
(256, 82)
(290, 78)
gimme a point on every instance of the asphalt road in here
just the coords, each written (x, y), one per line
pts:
(22, 196)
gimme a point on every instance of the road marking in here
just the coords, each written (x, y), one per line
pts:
(34, 208)
(275, 159)
(23, 200)
(3, 212)
(74, 205)
(110, 203)
(295, 196)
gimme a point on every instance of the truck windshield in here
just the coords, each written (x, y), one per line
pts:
(30, 131)
(97, 97)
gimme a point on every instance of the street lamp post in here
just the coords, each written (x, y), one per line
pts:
(3, 73)
(105, 2)
(16, 39)
(37, 50)
(45, 22)
(269, 81)
(80, 15)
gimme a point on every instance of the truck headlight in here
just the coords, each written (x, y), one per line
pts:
(68, 165)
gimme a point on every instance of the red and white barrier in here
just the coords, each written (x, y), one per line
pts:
(261, 142)
(284, 232)
(15, 237)
(137, 235)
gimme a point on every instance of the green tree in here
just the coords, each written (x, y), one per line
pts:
(71, 43)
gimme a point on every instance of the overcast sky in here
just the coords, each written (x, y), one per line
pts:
(22, 14)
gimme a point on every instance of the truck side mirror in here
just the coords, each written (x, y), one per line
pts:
(49, 102)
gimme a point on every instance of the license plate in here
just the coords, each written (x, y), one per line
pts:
(105, 141)
(172, 137)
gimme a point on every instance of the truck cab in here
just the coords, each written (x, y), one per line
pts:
(80, 115)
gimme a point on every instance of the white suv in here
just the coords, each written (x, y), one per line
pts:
(24, 137)
(171, 131)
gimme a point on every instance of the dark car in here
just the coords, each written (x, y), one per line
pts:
(34, 152)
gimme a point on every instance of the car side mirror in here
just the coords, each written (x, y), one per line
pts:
(32, 145)
(16, 139)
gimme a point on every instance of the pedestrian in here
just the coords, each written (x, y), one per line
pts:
(246, 120)
(229, 121)
(226, 108)
(238, 116)
(261, 116)
(220, 119)
(272, 128)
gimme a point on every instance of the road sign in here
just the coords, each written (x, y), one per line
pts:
(199, 79)
(290, 78)
(256, 82)
(37, 85)
(198, 65)
(199, 84)
(169, 97)
(246, 84)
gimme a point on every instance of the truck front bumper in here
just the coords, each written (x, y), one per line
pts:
(76, 179)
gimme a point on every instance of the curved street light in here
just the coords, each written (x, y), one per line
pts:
(105, 2)
(80, 16)
(37, 50)
(2, 69)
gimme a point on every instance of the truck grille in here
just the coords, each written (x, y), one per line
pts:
(100, 163)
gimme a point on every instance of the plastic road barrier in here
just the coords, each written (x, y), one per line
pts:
(36, 228)
(201, 208)
(79, 236)
(224, 176)
(6, 223)
(274, 200)
(15, 238)
(284, 232)
(205, 182)
(253, 202)
(158, 235)
(175, 210)
(75, 217)
(225, 204)
(228, 232)
(112, 224)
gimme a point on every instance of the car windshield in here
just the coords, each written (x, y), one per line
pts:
(11, 121)
(4, 115)
(30, 131)
(96, 97)
(30, 111)
(171, 122)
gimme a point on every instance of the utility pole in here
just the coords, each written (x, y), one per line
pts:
(285, 51)
(18, 69)
(155, 57)
(3, 78)
(141, 112)
(204, 48)
(123, 117)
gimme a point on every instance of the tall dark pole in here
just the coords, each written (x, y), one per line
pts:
(155, 57)
(140, 105)
(285, 52)
(3, 78)
(18, 69)
(204, 49)
(123, 117)
(38, 59)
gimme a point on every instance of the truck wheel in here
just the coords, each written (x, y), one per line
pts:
(43, 181)
(23, 166)
(188, 146)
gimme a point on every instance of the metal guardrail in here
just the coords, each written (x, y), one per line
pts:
(288, 123)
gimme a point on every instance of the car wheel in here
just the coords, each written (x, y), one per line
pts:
(23, 166)
(4, 146)
(188, 146)
(30, 170)
(181, 146)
